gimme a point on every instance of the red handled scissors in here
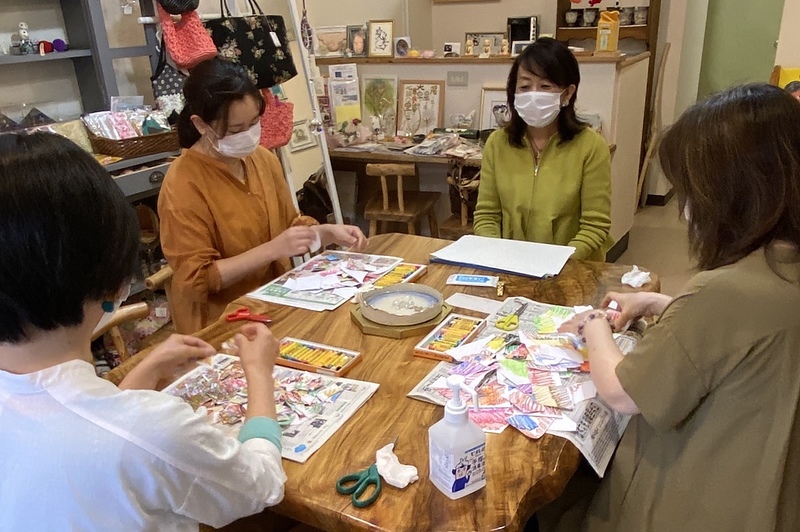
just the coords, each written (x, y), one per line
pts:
(244, 314)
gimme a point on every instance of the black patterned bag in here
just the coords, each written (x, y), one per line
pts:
(168, 85)
(257, 41)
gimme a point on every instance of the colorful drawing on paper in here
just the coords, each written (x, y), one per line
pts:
(420, 107)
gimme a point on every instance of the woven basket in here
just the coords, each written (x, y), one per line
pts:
(136, 146)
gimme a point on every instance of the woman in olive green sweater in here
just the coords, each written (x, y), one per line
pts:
(546, 177)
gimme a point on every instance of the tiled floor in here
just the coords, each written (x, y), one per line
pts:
(658, 242)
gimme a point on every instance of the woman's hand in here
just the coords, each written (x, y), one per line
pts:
(632, 306)
(349, 237)
(258, 349)
(176, 354)
(293, 242)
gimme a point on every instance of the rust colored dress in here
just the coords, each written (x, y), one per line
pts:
(207, 214)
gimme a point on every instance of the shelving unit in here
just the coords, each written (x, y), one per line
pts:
(36, 58)
(640, 32)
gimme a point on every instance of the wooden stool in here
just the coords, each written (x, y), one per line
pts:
(457, 226)
(411, 206)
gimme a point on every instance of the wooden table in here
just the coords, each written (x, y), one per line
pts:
(522, 474)
(339, 156)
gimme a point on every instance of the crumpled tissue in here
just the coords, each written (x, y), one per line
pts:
(636, 277)
(392, 471)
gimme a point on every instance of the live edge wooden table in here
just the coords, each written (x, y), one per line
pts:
(522, 474)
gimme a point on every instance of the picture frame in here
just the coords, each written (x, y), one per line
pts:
(402, 45)
(330, 41)
(381, 38)
(420, 106)
(518, 46)
(478, 38)
(491, 97)
(452, 49)
(302, 138)
(379, 101)
(357, 41)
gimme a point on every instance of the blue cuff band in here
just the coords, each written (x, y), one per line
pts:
(265, 428)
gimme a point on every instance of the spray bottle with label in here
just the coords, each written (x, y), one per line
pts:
(457, 446)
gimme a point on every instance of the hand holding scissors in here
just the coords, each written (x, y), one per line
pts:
(244, 314)
(511, 322)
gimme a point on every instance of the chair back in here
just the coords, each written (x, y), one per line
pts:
(397, 170)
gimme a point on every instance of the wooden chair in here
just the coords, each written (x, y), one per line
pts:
(161, 279)
(411, 206)
(137, 311)
(655, 127)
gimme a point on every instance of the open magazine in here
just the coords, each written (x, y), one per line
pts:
(535, 380)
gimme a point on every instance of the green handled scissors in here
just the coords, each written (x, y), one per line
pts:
(356, 484)
(511, 322)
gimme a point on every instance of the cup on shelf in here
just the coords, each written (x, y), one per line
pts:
(571, 17)
(626, 16)
(590, 16)
(640, 15)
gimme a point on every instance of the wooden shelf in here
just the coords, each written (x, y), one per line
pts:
(565, 33)
(582, 57)
(34, 58)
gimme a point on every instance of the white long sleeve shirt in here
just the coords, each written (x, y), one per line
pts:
(78, 453)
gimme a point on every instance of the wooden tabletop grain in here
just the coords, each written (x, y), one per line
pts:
(522, 474)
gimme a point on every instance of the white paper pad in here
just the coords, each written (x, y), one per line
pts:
(529, 259)
(475, 303)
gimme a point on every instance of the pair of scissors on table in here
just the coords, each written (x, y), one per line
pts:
(356, 484)
(511, 322)
(244, 314)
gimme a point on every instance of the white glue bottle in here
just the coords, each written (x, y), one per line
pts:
(457, 446)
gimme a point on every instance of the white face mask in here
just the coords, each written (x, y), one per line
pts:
(123, 295)
(538, 109)
(240, 145)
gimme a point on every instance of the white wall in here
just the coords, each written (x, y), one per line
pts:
(788, 53)
(683, 25)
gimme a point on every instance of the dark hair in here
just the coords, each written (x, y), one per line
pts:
(67, 233)
(209, 90)
(552, 60)
(792, 86)
(735, 159)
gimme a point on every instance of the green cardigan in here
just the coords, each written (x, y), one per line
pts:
(567, 203)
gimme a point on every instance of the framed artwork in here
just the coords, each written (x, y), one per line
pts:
(477, 38)
(402, 45)
(495, 112)
(331, 41)
(357, 41)
(302, 139)
(518, 46)
(420, 106)
(381, 38)
(379, 103)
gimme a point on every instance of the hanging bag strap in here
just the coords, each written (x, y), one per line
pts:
(162, 60)
(226, 13)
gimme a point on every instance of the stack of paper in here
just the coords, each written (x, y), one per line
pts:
(529, 259)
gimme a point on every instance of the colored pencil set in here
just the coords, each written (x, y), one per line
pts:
(455, 330)
(318, 358)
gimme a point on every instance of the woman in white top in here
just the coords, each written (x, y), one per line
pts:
(77, 452)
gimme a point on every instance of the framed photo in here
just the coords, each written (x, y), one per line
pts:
(330, 41)
(518, 46)
(277, 90)
(495, 112)
(477, 38)
(381, 38)
(402, 45)
(420, 106)
(379, 103)
(357, 41)
(302, 139)
(452, 49)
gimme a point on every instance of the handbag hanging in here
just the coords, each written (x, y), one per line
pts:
(276, 122)
(257, 41)
(187, 41)
(167, 84)
(179, 7)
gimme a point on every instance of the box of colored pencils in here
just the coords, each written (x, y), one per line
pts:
(404, 272)
(454, 331)
(317, 358)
